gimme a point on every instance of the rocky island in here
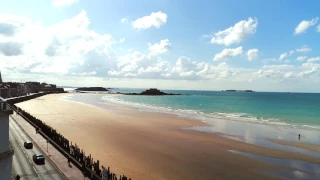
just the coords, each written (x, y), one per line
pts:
(152, 92)
(238, 90)
(91, 89)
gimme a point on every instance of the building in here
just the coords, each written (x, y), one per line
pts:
(23, 89)
(8, 90)
(6, 152)
(16, 89)
(12, 89)
(33, 87)
(0, 78)
(4, 90)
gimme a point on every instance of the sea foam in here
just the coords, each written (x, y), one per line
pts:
(208, 118)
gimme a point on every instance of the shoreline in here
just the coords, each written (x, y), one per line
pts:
(222, 125)
(199, 115)
(153, 141)
(203, 126)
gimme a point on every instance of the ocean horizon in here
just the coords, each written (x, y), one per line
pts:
(131, 90)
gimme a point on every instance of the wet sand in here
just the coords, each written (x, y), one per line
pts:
(301, 145)
(148, 145)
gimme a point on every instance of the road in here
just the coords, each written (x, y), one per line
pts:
(22, 158)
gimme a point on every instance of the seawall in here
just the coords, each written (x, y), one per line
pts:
(83, 162)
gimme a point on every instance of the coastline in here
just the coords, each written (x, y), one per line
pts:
(151, 145)
(260, 107)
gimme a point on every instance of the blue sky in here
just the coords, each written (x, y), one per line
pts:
(187, 29)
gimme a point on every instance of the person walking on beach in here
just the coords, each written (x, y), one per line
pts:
(299, 137)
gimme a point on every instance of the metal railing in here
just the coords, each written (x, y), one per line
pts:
(85, 164)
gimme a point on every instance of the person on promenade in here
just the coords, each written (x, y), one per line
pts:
(69, 160)
(17, 177)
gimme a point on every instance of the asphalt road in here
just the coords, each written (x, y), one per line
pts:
(22, 158)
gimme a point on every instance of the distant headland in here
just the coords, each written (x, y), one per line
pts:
(151, 92)
(232, 90)
(91, 89)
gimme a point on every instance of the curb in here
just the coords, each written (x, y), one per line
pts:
(40, 148)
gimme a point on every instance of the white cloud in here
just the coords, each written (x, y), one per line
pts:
(10, 48)
(64, 2)
(252, 54)
(314, 59)
(304, 25)
(301, 58)
(140, 65)
(287, 61)
(291, 52)
(304, 49)
(65, 47)
(311, 65)
(155, 19)
(161, 47)
(124, 20)
(85, 73)
(278, 67)
(283, 56)
(61, 52)
(289, 75)
(122, 40)
(227, 53)
(307, 73)
(306, 70)
(235, 34)
(270, 73)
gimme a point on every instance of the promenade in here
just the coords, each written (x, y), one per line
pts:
(71, 172)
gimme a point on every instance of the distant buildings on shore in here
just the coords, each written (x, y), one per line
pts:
(15, 89)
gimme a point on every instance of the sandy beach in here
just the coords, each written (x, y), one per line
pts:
(149, 145)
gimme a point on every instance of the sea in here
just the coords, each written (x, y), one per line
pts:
(287, 109)
(260, 114)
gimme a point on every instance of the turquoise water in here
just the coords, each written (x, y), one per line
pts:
(289, 109)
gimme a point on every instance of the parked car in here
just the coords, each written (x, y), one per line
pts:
(28, 145)
(38, 158)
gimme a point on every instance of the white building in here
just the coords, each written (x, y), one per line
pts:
(6, 152)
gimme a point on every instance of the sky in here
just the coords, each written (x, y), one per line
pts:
(169, 44)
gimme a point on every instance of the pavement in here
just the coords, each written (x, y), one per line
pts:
(56, 166)
(22, 159)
